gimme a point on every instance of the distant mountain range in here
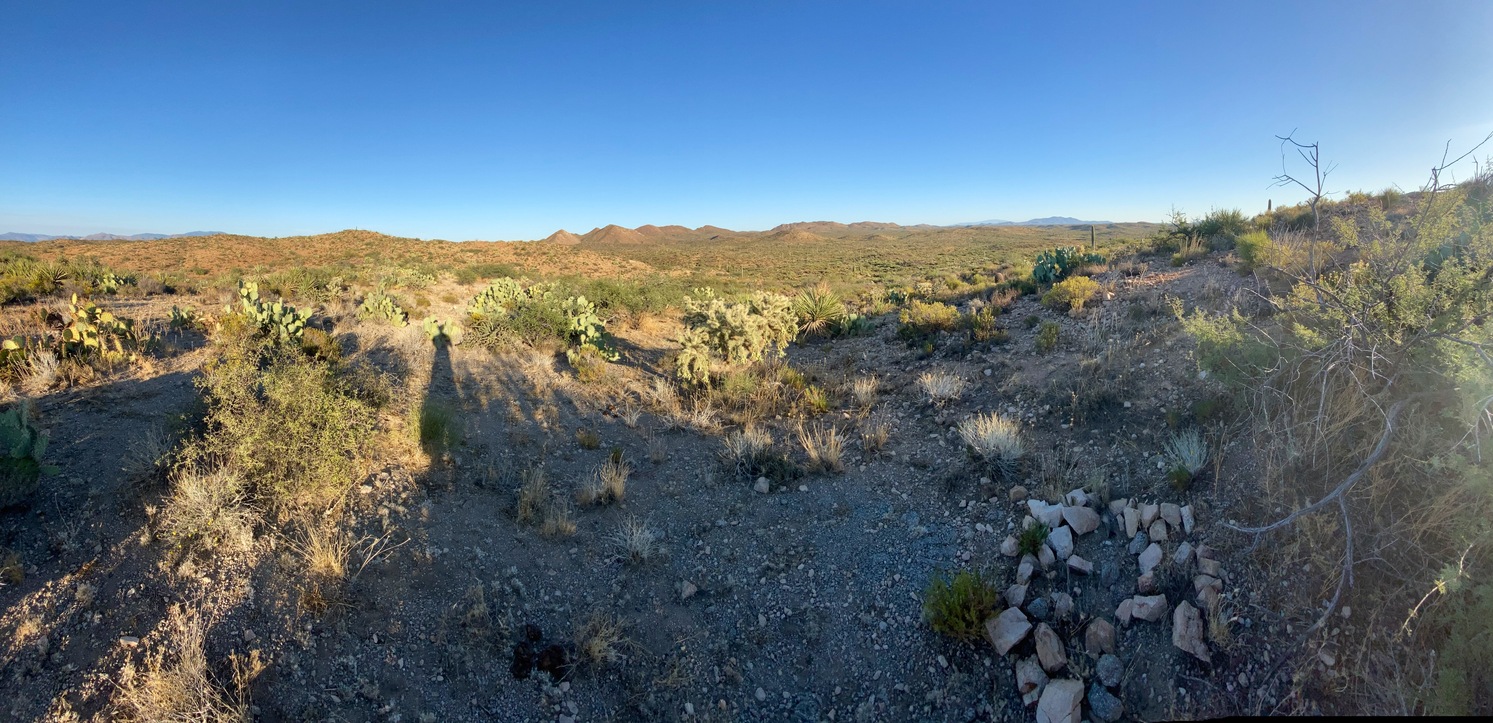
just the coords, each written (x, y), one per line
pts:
(1048, 221)
(103, 236)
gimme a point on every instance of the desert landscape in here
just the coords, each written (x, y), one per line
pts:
(966, 474)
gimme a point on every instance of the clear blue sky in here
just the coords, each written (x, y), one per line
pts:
(509, 120)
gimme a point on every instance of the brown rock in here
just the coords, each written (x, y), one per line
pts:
(1082, 519)
(1018, 493)
(1099, 637)
(1187, 631)
(1049, 649)
(1132, 522)
(1146, 584)
(1080, 565)
(1210, 567)
(1157, 531)
(1148, 514)
(1125, 610)
(1148, 607)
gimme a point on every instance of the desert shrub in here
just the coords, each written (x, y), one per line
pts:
(995, 441)
(1221, 227)
(294, 430)
(1057, 264)
(1186, 452)
(958, 606)
(653, 295)
(1190, 249)
(819, 309)
(823, 446)
(921, 321)
(1029, 541)
(732, 333)
(749, 453)
(24, 278)
(941, 387)
(208, 507)
(23, 461)
(318, 344)
(437, 427)
(982, 326)
(183, 687)
(1369, 383)
(306, 283)
(1254, 248)
(1071, 294)
(472, 273)
(1047, 336)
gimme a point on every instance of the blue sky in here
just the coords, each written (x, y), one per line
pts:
(510, 120)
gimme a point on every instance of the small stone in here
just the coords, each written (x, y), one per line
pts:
(1099, 637)
(1110, 670)
(689, 708)
(1017, 493)
(803, 488)
(761, 695)
(1029, 676)
(1109, 573)
(1207, 552)
(1061, 540)
(1148, 607)
(1150, 558)
(1015, 595)
(1138, 543)
(1040, 608)
(1080, 565)
(1146, 584)
(1213, 568)
(687, 590)
(1007, 629)
(1187, 519)
(1062, 605)
(1172, 514)
(1201, 581)
(1187, 631)
(129, 641)
(1010, 547)
(1046, 557)
(1125, 611)
(1025, 569)
(1117, 507)
(1082, 519)
(1049, 649)
(248, 636)
(1076, 498)
(1050, 515)
(763, 485)
(1132, 521)
(1062, 702)
(1157, 531)
(1183, 555)
(1104, 705)
(1148, 514)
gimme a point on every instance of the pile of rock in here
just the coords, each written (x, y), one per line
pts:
(1151, 527)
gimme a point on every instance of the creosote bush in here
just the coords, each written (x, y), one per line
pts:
(1071, 294)
(958, 606)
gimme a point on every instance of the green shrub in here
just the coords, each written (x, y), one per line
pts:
(819, 310)
(294, 429)
(24, 450)
(1071, 294)
(959, 606)
(1221, 228)
(438, 427)
(509, 313)
(1030, 540)
(320, 345)
(923, 320)
(982, 326)
(1047, 337)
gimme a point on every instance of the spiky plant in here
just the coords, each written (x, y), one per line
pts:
(819, 310)
(1186, 454)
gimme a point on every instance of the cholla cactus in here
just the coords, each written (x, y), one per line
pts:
(741, 333)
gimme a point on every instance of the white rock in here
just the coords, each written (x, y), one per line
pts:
(1148, 514)
(1061, 540)
(1132, 522)
(1210, 567)
(1029, 676)
(1117, 507)
(1148, 607)
(1172, 514)
(1007, 629)
(1183, 555)
(1049, 649)
(1150, 558)
(1010, 547)
(1124, 612)
(1050, 515)
(1045, 556)
(1157, 531)
(1076, 498)
(1062, 605)
(1187, 631)
(1187, 520)
(1062, 702)
(763, 485)
(1082, 519)
(1025, 569)
(1016, 595)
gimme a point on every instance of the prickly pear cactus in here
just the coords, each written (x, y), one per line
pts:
(279, 321)
(381, 306)
(22, 449)
(442, 330)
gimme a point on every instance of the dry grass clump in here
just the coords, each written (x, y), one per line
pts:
(994, 440)
(864, 390)
(941, 387)
(42, 371)
(636, 541)
(600, 639)
(608, 483)
(559, 521)
(823, 446)
(209, 507)
(874, 434)
(149, 455)
(181, 687)
(533, 495)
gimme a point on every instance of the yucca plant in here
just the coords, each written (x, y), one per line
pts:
(820, 310)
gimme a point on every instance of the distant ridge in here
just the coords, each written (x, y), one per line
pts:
(614, 234)
(13, 236)
(1047, 221)
(563, 237)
